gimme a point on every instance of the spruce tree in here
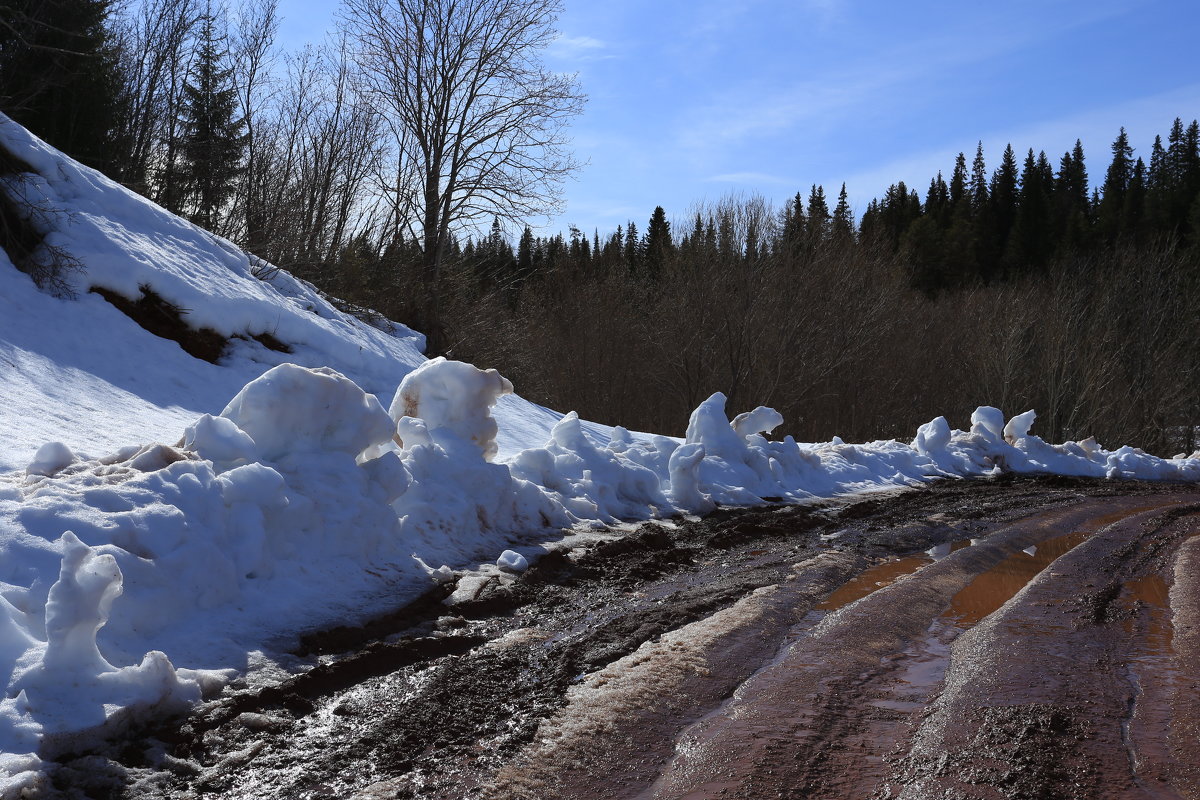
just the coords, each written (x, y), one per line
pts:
(59, 75)
(1116, 185)
(795, 230)
(958, 239)
(729, 250)
(1071, 203)
(1158, 189)
(983, 232)
(979, 183)
(958, 182)
(1003, 198)
(937, 199)
(843, 218)
(525, 249)
(817, 228)
(1134, 207)
(633, 249)
(1190, 182)
(213, 139)
(711, 246)
(659, 247)
(1028, 245)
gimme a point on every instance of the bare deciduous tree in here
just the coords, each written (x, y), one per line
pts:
(154, 39)
(479, 123)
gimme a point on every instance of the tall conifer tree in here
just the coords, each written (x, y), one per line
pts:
(659, 247)
(1003, 199)
(817, 228)
(214, 139)
(1116, 184)
(59, 75)
(979, 183)
(843, 218)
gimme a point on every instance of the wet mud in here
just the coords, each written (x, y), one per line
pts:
(1007, 638)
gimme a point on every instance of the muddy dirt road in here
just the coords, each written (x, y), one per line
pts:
(1015, 638)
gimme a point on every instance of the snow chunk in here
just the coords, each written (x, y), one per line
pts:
(50, 458)
(154, 457)
(256, 484)
(1018, 427)
(78, 607)
(512, 561)
(932, 437)
(73, 686)
(389, 474)
(685, 491)
(988, 422)
(292, 409)
(412, 432)
(221, 441)
(455, 396)
(442, 574)
(760, 420)
(710, 427)
(596, 484)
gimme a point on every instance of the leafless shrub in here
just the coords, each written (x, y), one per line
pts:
(25, 218)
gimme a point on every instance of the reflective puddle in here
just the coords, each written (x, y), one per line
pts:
(1154, 677)
(989, 591)
(885, 574)
(992, 589)
(872, 580)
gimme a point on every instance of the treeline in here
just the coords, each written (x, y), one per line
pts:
(1017, 220)
(1020, 288)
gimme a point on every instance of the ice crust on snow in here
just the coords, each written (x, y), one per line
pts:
(137, 575)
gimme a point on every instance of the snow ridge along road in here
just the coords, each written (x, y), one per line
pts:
(1042, 647)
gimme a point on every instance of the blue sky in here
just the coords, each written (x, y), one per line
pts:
(691, 100)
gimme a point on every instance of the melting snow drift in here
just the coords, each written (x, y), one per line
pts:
(163, 518)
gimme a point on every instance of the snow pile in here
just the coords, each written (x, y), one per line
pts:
(600, 485)
(292, 410)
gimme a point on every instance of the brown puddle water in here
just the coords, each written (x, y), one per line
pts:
(875, 578)
(1154, 678)
(872, 580)
(992, 589)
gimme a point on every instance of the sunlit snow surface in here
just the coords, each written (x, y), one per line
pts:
(162, 518)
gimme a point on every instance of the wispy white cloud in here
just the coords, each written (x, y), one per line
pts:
(749, 178)
(1096, 128)
(769, 106)
(824, 12)
(580, 48)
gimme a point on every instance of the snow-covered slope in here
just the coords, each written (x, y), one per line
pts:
(163, 518)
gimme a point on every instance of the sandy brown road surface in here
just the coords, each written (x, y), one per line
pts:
(1014, 638)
